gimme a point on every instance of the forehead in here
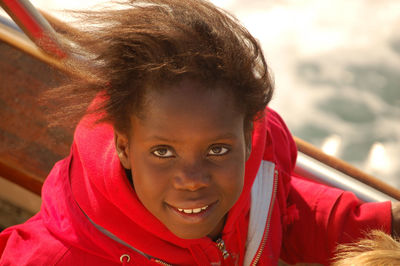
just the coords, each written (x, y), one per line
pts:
(191, 107)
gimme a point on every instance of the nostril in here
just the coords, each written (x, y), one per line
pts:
(191, 182)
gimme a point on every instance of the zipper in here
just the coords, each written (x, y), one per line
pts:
(161, 262)
(219, 243)
(221, 246)
(265, 236)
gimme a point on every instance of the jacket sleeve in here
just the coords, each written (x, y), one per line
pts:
(325, 217)
(30, 243)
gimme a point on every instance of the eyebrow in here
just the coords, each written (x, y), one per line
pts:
(226, 136)
(219, 137)
(159, 138)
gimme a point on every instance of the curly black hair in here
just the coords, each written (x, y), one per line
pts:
(120, 53)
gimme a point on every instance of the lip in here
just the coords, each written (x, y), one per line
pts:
(193, 217)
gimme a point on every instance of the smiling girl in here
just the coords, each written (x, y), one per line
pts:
(178, 161)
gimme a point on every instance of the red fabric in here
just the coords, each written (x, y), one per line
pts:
(328, 216)
(309, 219)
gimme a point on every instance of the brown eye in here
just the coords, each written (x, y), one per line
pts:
(218, 150)
(163, 152)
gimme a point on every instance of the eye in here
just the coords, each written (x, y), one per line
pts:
(218, 150)
(163, 152)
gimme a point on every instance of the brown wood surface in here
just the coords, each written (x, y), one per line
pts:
(28, 148)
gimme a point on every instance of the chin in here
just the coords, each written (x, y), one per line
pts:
(189, 235)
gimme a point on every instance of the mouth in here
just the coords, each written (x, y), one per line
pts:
(196, 210)
(194, 215)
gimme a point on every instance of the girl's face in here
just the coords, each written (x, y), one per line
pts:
(187, 156)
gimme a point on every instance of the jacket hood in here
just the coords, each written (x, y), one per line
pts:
(104, 195)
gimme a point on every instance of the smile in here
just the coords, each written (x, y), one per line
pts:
(196, 210)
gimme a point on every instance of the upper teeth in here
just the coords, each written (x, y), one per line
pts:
(197, 210)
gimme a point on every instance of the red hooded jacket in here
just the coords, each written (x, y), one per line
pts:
(90, 213)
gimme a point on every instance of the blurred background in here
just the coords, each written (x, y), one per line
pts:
(337, 73)
(336, 66)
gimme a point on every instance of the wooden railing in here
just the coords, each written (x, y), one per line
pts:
(28, 148)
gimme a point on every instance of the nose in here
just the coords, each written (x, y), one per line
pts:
(192, 177)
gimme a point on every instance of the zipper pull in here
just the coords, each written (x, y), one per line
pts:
(221, 246)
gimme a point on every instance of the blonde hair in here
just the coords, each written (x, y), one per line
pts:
(377, 248)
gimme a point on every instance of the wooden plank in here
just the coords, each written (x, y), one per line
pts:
(28, 148)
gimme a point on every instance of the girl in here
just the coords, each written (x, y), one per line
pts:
(178, 161)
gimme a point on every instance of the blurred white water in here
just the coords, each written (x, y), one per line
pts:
(337, 73)
(336, 65)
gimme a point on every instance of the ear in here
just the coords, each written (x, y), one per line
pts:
(122, 147)
(248, 135)
(248, 149)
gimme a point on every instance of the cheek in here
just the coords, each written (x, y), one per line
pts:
(231, 179)
(148, 181)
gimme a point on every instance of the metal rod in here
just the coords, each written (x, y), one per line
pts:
(346, 169)
(18, 39)
(312, 169)
(35, 26)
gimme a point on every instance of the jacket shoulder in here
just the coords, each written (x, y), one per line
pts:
(280, 146)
